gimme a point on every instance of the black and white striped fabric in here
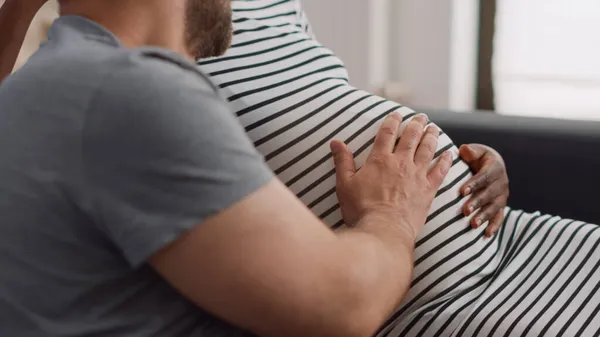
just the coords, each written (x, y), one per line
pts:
(537, 277)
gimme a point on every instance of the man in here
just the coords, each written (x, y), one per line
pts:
(134, 205)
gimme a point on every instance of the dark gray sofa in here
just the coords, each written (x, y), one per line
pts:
(553, 165)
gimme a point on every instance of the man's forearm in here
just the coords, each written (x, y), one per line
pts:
(15, 18)
(356, 282)
(382, 250)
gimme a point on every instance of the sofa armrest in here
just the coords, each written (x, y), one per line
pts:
(553, 165)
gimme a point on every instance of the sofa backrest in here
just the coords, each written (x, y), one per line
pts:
(553, 165)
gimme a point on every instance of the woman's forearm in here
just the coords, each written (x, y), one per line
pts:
(15, 18)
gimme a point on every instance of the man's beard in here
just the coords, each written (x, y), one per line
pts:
(208, 27)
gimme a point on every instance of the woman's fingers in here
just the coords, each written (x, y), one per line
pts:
(484, 178)
(470, 154)
(480, 199)
(487, 213)
(495, 224)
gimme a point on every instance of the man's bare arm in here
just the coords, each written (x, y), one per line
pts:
(268, 265)
(15, 18)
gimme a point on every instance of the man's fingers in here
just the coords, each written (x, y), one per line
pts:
(387, 134)
(495, 224)
(440, 170)
(426, 150)
(486, 175)
(411, 138)
(343, 159)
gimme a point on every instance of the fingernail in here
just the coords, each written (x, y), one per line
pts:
(495, 230)
(471, 209)
(468, 191)
(421, 118)
(335, 147)
(478, 222)
(395, 114)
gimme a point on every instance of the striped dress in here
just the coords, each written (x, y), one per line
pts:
(537, 277)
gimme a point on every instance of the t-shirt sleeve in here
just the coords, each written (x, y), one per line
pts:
(161, 153)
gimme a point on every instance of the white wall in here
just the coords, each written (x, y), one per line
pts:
(428, 46)
(421, 45)
(343, 26)
(463, 54)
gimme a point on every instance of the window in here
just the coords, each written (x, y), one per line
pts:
(547, 58)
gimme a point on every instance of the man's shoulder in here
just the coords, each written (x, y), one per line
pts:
(96, 66)
(157, 68)
(156, 92)
(123, 71)
(154, 79)
(83, 70)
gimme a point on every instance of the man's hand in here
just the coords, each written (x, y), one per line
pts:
(393, 182)
(489, 186)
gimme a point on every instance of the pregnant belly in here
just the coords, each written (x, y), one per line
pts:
(292, 107)
(293, 134)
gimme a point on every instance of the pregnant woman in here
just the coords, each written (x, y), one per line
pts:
(538, 276)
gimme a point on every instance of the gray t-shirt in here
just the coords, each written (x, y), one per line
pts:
(108, 154)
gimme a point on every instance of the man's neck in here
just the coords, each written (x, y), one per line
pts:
(136, 23)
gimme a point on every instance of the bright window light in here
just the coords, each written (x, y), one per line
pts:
(547, 58)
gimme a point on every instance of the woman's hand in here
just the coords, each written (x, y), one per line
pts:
(489, 186)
